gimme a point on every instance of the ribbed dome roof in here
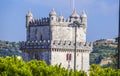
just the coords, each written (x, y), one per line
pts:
(83, 14)
(29, 14)
(74, 14)
(52, 13)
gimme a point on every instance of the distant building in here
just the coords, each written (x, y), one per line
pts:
(111, 40)
(52, 39)
(106, 42)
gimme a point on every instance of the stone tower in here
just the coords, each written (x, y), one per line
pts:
(52, 39)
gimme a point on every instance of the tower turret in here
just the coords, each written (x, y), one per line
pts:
(60, 18)
(74, 16)
(29, 17)
(83, 18)
(52, 16)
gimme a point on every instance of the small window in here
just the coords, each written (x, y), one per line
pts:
(52, 18)
(35, 31)
(36, 56)
(68, 57)
(41, 37)
(35, 34)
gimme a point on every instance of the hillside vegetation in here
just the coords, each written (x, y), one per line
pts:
(9, 48)
(103, 53)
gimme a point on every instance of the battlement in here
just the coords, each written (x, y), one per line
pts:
(67, 20)
(39, 21)
(46, 21)
(70, 45)
(55, 44)
(53, 19)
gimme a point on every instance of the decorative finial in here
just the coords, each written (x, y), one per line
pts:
(74, 14)
(83, 14)
(29, 13)
(53, 9)
(29, 10)
(74, 11)
(61, 17)
(52, 13)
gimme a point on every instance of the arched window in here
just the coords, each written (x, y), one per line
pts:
(36, 56)
(52, 18)
(35, 34)
(68, 57)
(41, 37)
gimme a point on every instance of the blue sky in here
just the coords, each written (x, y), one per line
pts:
(102, 16)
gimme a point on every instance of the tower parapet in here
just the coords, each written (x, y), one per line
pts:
(56, 44)
(53, 19)
(40, 21)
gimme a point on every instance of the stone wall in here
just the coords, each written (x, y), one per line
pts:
(68, 33)
(56, 33)
(39, 54)
(59, 57)
(40, 33)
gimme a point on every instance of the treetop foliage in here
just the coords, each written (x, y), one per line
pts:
(12, 66)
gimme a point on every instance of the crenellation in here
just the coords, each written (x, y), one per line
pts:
(32, 21)
(67, 20)
(39, 21)
(55, 43)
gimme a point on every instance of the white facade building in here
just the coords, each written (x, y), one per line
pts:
(52, 39)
